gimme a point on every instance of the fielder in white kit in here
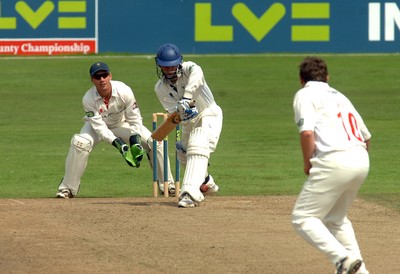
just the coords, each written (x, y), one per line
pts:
(112, 116)
(334, 142)
(183, 88)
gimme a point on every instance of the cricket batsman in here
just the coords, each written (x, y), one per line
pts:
(182, 89)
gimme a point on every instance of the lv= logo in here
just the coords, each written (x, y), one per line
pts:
(304, 27)
(34, 18)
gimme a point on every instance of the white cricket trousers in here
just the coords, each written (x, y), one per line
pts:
(200, 137)
(319, 215)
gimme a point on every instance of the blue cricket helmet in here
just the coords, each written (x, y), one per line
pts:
(168, 55)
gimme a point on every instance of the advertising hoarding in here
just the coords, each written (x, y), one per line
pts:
(231, 26)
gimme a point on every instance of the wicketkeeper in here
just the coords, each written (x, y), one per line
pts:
(182, 88)
(113, 116)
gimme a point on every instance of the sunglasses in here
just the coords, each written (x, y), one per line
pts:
(101, 75)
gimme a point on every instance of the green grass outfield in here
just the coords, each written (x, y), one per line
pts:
(258, 153)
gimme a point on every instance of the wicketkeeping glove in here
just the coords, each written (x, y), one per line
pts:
(136, 149)
(124, 150)
(186, 109)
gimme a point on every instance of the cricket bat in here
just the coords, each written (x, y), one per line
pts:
(166, 127)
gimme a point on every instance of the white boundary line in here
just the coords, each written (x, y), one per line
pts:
(134, 56)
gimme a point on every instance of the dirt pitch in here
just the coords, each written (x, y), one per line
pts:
(151, 235)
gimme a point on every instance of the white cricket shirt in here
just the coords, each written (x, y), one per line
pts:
(190, 84)
(331, 116)
(122, 107)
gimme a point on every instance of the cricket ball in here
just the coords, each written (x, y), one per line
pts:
(204, 188)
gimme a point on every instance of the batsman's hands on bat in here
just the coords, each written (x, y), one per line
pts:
(186, 109)
(136, 149)
(125, 151)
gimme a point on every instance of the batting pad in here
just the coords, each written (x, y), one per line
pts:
(197, 164)
(198, 143)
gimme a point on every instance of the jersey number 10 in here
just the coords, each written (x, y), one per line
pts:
(353, 126)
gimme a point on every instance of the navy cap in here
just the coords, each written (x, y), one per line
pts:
(98, 67)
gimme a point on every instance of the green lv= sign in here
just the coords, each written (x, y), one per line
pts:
(303, 27)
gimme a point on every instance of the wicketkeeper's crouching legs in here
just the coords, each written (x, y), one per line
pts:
(76, 162)
(84, 142)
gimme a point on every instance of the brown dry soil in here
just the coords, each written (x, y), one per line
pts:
(151, 235)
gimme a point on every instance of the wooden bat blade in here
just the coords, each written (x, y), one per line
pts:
(166, 127)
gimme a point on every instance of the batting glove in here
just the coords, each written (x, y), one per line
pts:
(186, 109)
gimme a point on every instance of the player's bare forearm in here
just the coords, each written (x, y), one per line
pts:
(367, 143)
(307, 142)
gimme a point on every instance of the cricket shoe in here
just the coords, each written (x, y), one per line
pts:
(363, 269)
(209, 187)
(348, 266)
(186, 201)
(65, 194)
(171, 189)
